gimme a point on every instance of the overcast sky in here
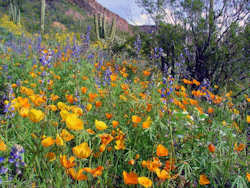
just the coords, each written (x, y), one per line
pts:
(128, 10)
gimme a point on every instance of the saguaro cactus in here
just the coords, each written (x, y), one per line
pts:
(43, 4)
(100, 27)
(14, 11)
(97, 27)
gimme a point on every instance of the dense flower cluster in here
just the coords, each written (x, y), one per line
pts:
(107, 121)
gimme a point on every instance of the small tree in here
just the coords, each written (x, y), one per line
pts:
(210, 41)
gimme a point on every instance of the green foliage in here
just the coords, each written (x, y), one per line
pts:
(210, 42)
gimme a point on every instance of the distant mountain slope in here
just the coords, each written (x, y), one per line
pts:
(70, 15)
(93, 7)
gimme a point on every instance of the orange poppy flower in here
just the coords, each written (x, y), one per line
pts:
(196, 82)
(95, 172)
(248, 177)
(106, 138)
(146, 124)
(137, 156)
(152, 165)
(70, 99)
(113, 84)
(130, 178)
(145, 182)
(146, 73)
(67, 163)
(84, 78)
(113, 77)
(161, 151)
(90, 131)
(115, 124)
(149, 107)
(51, 156)
(131, 162)
(203, 180)
(125, 75)
(248, 119)
(210, 110)
(77, 175)
(136, 119)
(108, 115)
(240, 147)
(119, 144)
(98, 104)
(185, 81)
(84, 90)
(162, 174)
(169, 165)
(211, 148)
(3, 146)
(124, 86)
(92, 97)
(47, 142)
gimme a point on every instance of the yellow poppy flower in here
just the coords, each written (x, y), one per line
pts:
(100, 125)
(82, 151)
(145, 182)
(73, 122)
(51, 156)
(59, 140)
(36, 115)
(66, 136)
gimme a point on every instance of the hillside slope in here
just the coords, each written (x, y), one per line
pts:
(64, 15)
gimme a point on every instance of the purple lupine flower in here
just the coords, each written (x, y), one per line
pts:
(1, 159)
(107, 75)
(3, 170)
(138, 44)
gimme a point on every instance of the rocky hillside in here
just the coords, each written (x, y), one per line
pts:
(93, 7)
(65, 15)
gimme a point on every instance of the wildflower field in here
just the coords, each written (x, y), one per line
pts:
(77, 117)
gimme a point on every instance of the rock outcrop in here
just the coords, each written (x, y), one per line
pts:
(93, 7)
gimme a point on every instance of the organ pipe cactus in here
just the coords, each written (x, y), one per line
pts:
(100, 27)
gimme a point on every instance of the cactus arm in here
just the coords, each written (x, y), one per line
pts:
(100, 26)
(113, 30)
(104, 26)
(97, 27)
(19, 16)
(43, 4)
